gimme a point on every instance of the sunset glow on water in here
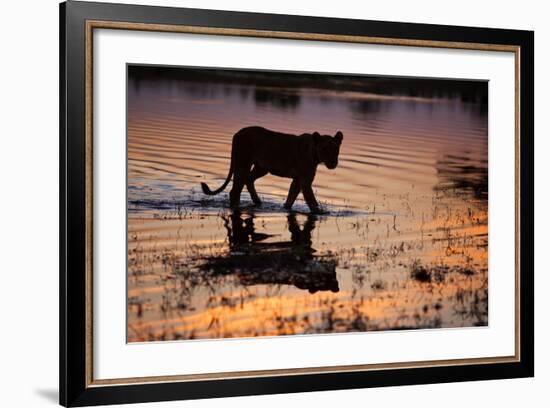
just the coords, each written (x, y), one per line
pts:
(404, 243)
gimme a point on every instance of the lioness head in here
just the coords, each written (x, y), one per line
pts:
(328, 148)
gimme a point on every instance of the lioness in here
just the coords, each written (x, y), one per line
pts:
(257, 151)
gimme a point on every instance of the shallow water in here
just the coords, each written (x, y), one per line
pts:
(403, 244)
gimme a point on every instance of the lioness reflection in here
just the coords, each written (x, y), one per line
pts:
(291, 262)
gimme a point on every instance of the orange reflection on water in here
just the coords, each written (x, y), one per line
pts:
(404, 246)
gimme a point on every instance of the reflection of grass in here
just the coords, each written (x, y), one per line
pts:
(420, 273)
(379, 285)
(437, 272)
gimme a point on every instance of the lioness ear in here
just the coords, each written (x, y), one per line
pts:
(339, 136)
(316, 136)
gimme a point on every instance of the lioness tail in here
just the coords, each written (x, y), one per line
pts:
(206, 190)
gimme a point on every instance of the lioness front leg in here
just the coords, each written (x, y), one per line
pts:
(310, 198)
(293, 192)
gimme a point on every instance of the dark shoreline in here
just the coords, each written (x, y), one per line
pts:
(470, 91)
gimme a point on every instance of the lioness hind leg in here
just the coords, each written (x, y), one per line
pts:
(255, 174)
(293, 192)
(235, 194)
(239, 179)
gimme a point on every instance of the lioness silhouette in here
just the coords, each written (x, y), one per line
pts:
(257, 151)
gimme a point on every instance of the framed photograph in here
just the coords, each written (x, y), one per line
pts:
(256, 203)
